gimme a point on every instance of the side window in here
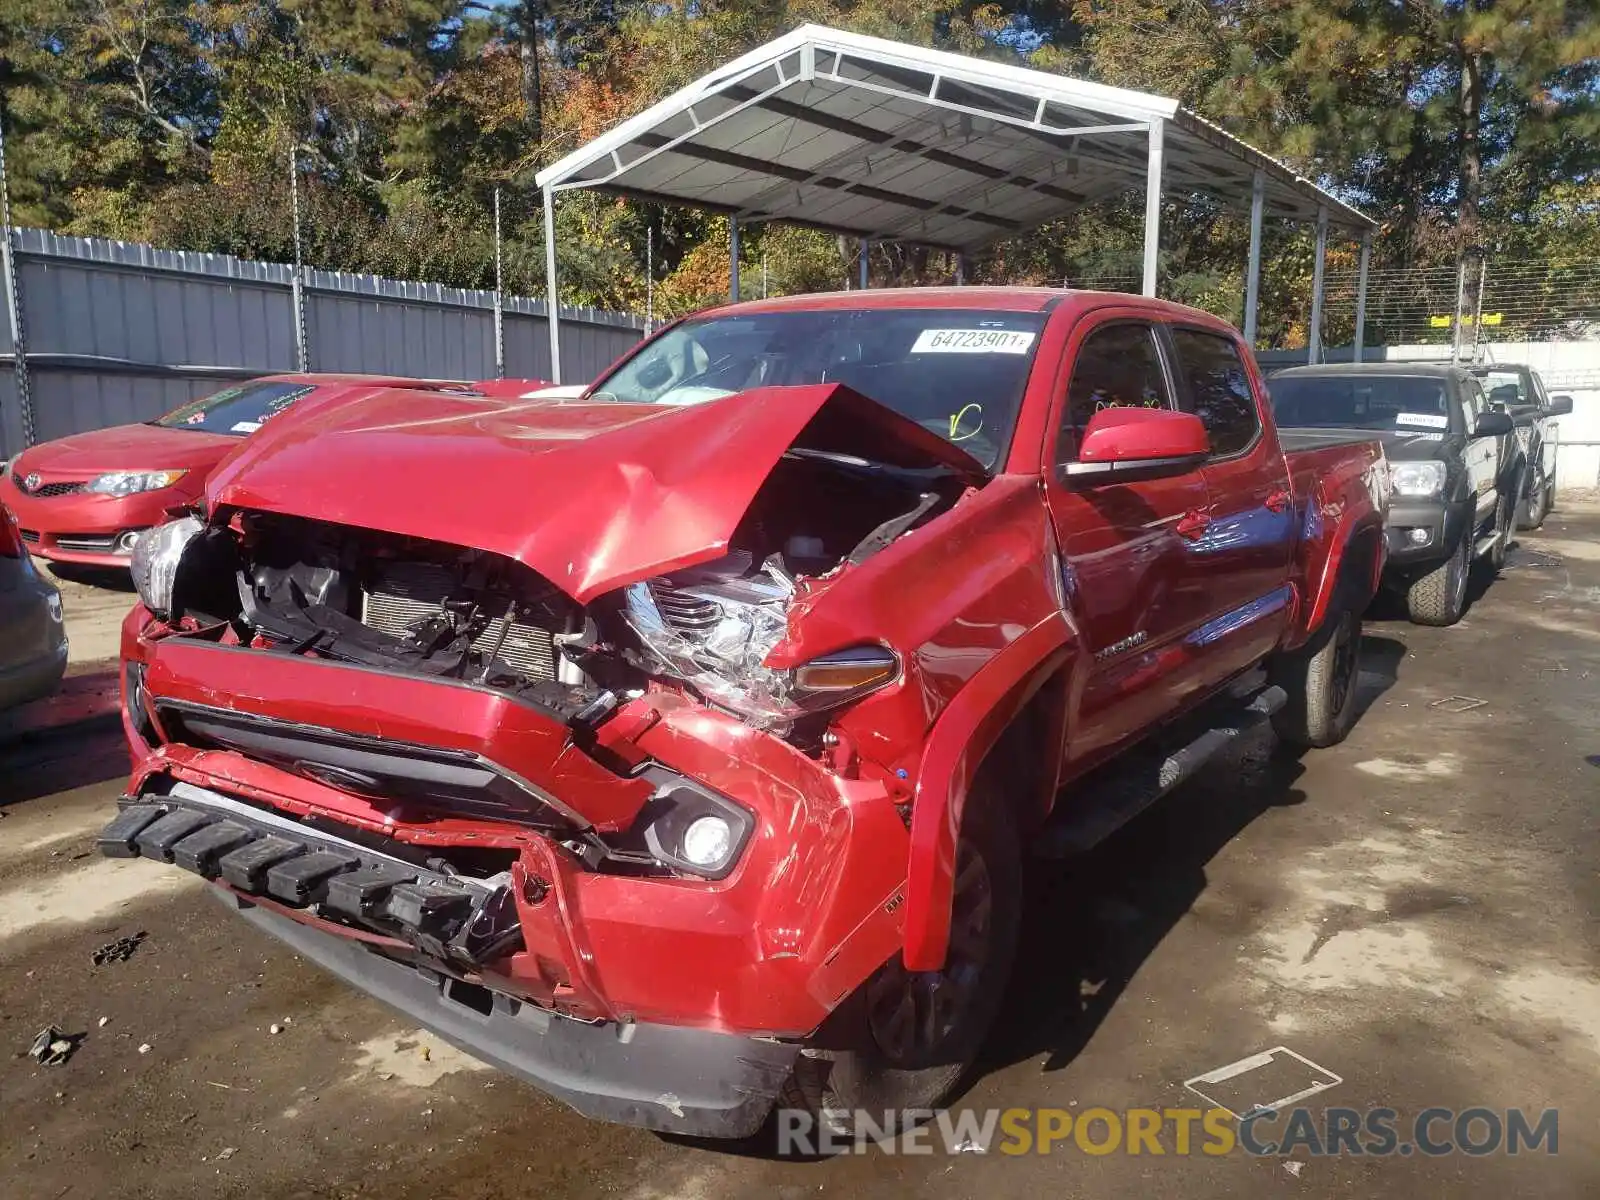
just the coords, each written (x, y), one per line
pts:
(1473, 403)
(1118, 366)
(1219, 389)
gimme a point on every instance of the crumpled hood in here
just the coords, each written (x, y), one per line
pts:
(590, 495)
(127, 448)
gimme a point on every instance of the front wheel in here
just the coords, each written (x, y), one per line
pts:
(1321, 684)
(1440, 596)
(1536, 505)
(907, 1039)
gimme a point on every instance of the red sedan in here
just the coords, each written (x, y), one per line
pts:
(84, 499)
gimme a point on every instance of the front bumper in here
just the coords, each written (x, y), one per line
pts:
(674, 1080)
(1443, 524)
(811, 908)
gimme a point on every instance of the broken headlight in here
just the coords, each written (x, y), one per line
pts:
(155, 560)
(714, 632)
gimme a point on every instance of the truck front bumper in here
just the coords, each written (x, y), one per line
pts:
(674, 1080)
(1421, 534)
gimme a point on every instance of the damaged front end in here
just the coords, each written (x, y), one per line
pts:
(601, 804)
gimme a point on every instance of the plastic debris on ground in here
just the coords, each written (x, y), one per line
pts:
(52, 1046)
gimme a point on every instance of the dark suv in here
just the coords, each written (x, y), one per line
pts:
(1457, 466)
(1518, 390)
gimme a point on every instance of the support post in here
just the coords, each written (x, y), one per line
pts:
(1361, 295)
(297, 287)
(733, 259)
(961, 270)
(1477, 301)
(866, 263)
(1152, 205)
(1252, 279)
(499, 298)
(1461, 309)
(13, 286)
(1314, 342)
(552, 305)
(649, 279)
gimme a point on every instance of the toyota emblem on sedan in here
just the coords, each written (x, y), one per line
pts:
(31, 483)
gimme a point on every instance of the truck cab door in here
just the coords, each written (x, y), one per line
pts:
(1482, 455)
(1247, 550)
(1131, 581)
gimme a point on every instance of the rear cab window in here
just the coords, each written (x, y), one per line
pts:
(1117, 366)
(1217, 390)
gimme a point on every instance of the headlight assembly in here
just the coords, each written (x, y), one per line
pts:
(1417, 479)
(715, 634)
(155, 560)
(131, 483)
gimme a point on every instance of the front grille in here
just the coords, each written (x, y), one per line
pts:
(47, 490)
(31, 536)
(405, 594)
(86, 543)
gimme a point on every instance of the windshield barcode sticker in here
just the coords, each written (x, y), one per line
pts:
(972, 341)
(1424, 420)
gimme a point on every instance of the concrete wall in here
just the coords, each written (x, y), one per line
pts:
(118, 332)
(1567, 368)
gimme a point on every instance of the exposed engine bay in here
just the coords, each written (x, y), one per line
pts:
(300, 586)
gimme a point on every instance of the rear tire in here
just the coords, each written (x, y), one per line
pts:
(1440, 596)
(1321, 684)
(1505, 519)
(1535, 507)
(897, 1051)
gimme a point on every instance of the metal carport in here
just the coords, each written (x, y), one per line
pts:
(885, 141)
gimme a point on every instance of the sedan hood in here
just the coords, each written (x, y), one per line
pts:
(589, 495)
(127, 448)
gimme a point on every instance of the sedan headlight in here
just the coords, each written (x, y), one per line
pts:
(155, 560)
(131, 483)
(716, 637)
(1420, 479)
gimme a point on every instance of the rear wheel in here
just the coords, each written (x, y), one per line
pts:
(1440, 596)
(1321, 684)
(1505, 518)
(1535, 506)
(908, 1038)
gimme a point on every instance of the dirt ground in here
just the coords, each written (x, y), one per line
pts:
(1414, 911)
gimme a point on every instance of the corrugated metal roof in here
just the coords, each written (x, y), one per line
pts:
(875, 138)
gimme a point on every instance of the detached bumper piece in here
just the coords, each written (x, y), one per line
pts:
(258, 853)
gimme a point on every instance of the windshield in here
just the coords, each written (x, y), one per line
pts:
(237, 410)
(958, 372)
(1382, 402)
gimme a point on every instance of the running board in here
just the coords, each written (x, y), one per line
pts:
(1485, 544)
(1089, 813)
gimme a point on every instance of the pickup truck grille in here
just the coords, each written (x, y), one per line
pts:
(405, 594)
(685, 611)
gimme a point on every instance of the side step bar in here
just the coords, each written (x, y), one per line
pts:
(1086, 816)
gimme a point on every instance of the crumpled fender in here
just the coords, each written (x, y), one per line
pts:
(965, 732)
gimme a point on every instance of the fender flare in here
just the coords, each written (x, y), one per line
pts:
(1333, 572)
(964, 733)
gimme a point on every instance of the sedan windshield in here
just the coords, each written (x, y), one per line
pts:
(958, 372)
(237, 410)
(1360, 402)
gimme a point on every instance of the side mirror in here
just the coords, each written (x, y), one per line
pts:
(1121, 445)
(1493, 424)
(1559, 406)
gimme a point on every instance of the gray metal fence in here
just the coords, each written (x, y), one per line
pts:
(118, 332)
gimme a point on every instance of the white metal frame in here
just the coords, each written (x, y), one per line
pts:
(1180, 146)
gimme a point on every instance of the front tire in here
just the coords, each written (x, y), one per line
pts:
(1321, 684)
(908, 1039)
(1536, 506)
(1440, 596)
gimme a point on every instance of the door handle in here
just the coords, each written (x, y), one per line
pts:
(1277, 501)
(1192, 524)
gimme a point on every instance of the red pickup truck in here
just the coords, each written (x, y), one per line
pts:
(675, 747)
